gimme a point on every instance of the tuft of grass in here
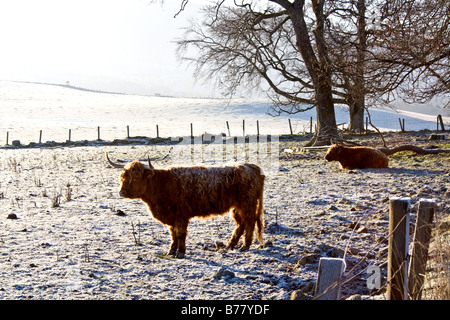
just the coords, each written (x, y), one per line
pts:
(56, 200)
(68, 192)
(13, 165)
(136, 234)
(437, 278)
(37, 181)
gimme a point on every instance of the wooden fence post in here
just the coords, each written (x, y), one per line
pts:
(98, 133)
(440, 122)
(422, 236)
(402, 125)
(7, 137)
(367, 125)
(228, 127)
(128, 132)
(40, 136)
(397, 277)
(290, 126)
(70, 135)
(329, 278)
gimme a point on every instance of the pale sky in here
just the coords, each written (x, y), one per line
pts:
(115, 45)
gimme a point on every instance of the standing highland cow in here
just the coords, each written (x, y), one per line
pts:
(177, 194)
(357, 157)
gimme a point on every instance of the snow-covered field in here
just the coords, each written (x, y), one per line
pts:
(28, 108)
(61, 236)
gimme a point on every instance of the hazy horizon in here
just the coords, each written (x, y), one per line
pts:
(114, 45)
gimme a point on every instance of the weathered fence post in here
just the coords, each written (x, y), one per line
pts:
(98, 133)
(243, 127)
(397, 277)
(228, 127)
(70, 135)
(402, 124)
(290, 126)
(40, 136)
(157, 131)
(421, 241)
(440, 122)
(7, 137)
(329, 278)
(128, 132)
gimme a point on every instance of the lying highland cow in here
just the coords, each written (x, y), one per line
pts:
(357, 157)
(177, 194)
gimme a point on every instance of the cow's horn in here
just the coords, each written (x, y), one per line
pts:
(149, 163)
(115, 165)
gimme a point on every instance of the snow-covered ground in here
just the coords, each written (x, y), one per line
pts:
(61, 236)
(28, 108)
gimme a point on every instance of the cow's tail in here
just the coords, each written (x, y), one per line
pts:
(260, 219)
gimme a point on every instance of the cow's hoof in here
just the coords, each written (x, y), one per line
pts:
(171, 253)
(244, 248)
(179, 255)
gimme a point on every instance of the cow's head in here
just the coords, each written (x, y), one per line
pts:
(333, 153)
(134, 178)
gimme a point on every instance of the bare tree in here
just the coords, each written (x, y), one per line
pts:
(318, 53)
(238, 47)
(282, 44)
(347, 40)
(411, 49)
(383, 51)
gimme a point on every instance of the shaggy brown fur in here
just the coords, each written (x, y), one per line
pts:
(177, 194)
(357, 157)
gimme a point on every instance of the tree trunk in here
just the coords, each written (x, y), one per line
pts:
(356, 115)
(326, 118)
(356, 108)
(318, 66)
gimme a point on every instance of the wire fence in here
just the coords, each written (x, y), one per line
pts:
(55, 132)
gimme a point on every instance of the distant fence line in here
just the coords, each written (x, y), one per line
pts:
(245, 129)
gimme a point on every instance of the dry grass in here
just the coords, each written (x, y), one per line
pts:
(437, 278)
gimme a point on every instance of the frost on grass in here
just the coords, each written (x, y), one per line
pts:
(82, 248)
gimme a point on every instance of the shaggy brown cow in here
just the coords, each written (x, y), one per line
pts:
(357, 157)
(177, 194)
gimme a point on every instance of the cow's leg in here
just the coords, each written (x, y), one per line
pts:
(248, 240)
(238, 231)
(181, 231)
(174, 245)
(249, 217)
